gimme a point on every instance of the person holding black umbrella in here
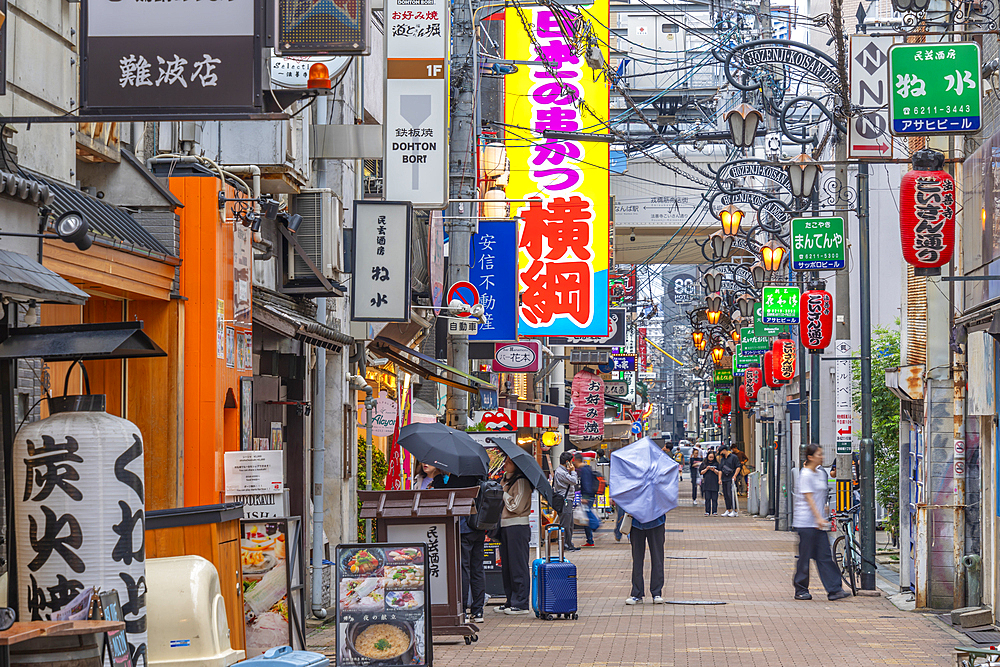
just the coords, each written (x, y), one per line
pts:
(515, 535)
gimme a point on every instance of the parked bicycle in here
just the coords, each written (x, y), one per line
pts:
(847, 547)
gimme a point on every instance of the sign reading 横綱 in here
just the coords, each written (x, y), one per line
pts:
(416, 102)
(523, 357)
(614, 338)
(493, 272)
(380, 288)
(167, 57)
(936, 88)
(586, 409)
(564, 246)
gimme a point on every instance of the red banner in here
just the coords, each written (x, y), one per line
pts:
(640, 348)
(586, 410)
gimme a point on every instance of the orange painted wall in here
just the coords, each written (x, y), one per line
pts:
(206, 276)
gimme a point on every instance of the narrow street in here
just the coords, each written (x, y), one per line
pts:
(742, 562)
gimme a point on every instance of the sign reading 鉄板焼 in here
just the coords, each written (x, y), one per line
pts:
(563, 248)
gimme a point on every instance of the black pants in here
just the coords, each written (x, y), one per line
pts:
(711, 501)
(727, 493)
(639, 538)
(694, 486)
(473, 577)
(515, 568)
(814, 544)
(566, 521)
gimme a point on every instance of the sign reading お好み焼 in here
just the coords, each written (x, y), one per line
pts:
(563, 247)
(380, 287)
(416, 102)
(153, 58)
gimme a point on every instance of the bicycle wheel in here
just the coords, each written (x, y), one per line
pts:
(840, 553)
(853, 573)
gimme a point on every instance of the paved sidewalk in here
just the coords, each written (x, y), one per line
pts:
(741, 561)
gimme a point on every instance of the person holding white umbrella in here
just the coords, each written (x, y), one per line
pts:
(644, 484)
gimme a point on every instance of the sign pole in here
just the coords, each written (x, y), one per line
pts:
(867, 472)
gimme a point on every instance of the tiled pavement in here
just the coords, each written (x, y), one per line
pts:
(740, 561)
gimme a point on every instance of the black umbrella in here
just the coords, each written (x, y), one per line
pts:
(445, 448)
(526, 463)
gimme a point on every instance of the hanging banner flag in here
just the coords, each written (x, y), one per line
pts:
(563, 249)
(586, 408)
(386, 416)
(493, 271)
(622, 283)
(640, 345)
(380, 287)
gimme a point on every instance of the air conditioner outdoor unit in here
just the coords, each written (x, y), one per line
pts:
(319, 234)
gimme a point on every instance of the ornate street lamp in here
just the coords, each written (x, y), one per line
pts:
(735, 335)
(731, 217)
(722, 245)
(772, 255)
(713, 316)
(743, 121)
(759, 275)
(910, 5)
(698, 337)
(714, 301)
(713, 280)
(803, 174)
(701, 344)
(746, 302)
(717, 354)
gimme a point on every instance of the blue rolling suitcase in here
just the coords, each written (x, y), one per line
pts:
(554, 583)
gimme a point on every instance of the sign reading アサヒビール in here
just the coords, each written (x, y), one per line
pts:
(936, 88)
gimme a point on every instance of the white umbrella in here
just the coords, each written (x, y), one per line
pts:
(644, 480)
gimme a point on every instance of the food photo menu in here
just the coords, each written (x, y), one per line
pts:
(383, 605)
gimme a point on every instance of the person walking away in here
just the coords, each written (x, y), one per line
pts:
(695, 465)
(809, 520)
(564, 483)
(650, 533)
(729, 464)
(709, 470)
(473, 543)
(514, 537)
(588, 492)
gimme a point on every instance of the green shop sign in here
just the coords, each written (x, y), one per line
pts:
(723, 376)
(761, 329)
(781, 305)
(818, 243)
(754, 345)
(935, 88)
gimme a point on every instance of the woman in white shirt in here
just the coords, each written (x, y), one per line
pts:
(810, 522)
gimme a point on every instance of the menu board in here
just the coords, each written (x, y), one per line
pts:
(383, 605)
(265, 564)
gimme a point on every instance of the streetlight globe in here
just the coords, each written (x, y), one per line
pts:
(713, 316)
(713, 280)
(803, 174)
(731, 217)
(743, 121)
(772, 255)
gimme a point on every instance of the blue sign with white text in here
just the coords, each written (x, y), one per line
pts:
(493, 270)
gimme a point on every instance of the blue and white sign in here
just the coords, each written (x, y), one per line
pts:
(622, 362)
(493, 271)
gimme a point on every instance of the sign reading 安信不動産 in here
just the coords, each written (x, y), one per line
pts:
(564, 247)
(936, 88)
(780, 305)
(818, 243)
(160, 57)
(493, 272)
(416, 102)
(380, 286)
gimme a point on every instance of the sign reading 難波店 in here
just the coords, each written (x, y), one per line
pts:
(157, 58)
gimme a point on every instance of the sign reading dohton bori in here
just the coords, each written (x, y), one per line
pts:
(564, 247)
(416, 102)
(936, 88)
(380, 288)
(166, 57)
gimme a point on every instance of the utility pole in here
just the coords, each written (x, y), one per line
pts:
(867, 472)
(462, 170)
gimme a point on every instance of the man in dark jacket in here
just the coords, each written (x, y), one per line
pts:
(473, 544)
(588, 492)
(728, 468)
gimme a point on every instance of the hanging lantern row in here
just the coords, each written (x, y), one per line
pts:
(816, 317)
(927, 213)
(783, 359)
(724, 403)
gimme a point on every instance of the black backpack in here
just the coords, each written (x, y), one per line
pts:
(489, 506)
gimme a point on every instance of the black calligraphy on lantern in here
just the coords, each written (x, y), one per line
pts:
(52, 598)
(124, 550)
(817, 305)
(54, 538)
(933, 207)
(49, 466)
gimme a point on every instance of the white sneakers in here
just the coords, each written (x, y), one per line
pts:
(731, 513)
(657, 599)
(631, 601)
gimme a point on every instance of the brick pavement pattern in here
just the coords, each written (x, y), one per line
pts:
(742, 561)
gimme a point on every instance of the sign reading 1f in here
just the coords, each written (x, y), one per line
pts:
(936, 88)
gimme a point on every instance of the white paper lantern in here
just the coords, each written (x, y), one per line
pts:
(79, 514)
(495, 207)
(493, 158)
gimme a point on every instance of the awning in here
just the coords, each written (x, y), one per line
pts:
(508, 418)
(286, 322)
(557, 411)
(109, 340)
(23, 278)
(401, 355)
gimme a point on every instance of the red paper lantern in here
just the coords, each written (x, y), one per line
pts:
(745, 403)
(716, 417)
(768, 368)
(753, 380)
(816, 318)
(783, 359)
(724, 402)
(927, 213)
